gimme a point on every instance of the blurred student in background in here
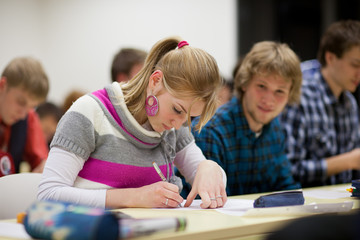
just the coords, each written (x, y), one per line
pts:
(226, 92)
(70, 98)
(244, 136)
(23, 85)
(126, 64)
(323, 130)
(50, 115)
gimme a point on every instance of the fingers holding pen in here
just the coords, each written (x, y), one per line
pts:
(170, 203)
(158, 195)
(170, 195)
(174, 199)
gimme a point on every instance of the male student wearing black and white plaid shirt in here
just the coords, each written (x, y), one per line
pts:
(323, 135)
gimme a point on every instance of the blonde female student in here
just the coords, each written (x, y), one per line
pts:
(104, 147)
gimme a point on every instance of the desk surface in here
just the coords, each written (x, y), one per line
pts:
(210, 224)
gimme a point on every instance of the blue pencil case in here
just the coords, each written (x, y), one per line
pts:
(67, 221)
(290, 198)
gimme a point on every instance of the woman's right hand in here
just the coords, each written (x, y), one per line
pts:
(156, 195)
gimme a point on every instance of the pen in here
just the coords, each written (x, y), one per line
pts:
(161, 174)
(159, 171)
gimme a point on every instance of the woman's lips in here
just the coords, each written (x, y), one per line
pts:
(166, 127)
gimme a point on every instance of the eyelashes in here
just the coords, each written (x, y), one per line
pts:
(177, 111)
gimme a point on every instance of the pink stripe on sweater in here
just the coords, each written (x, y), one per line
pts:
(120, 175)
(104, 98)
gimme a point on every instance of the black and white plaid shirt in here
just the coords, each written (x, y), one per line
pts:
(320, 127)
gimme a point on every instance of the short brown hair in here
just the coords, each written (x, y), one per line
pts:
(339, 38)
(27, 73)
(125, 59)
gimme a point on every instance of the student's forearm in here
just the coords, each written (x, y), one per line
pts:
(343, 162)
(118, 198)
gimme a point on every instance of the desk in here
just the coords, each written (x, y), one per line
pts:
(211, 224)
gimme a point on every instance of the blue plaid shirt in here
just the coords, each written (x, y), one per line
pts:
(252, 165)
(320, 127)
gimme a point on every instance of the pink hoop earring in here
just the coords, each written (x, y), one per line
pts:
(151, 105)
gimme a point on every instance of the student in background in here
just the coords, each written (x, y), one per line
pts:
(244, 137)
(70, 98)
(126, 64)
(357, 97)
(50, 115)
(226, 92)
(104, 146)
(323, 130)
(23, 85)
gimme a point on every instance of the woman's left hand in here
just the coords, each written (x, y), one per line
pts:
(208, 183)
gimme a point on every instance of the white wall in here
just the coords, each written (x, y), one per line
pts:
(77, 39)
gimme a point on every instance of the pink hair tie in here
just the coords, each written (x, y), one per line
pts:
(182, 43)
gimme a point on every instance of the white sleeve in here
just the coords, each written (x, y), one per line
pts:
(188, 159)
(59, 175)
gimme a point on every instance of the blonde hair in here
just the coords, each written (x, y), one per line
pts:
(188, 73)
(27, 73)
(269, 57)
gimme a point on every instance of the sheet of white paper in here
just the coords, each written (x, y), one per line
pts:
(328, 194)
(231, 204)
(13, 230)
(243, 207)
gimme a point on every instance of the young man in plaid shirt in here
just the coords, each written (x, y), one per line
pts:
(323, 130)
(244, 137)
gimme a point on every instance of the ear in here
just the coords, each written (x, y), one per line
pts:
(243, 88)
(122, 77)
(3, 83)
(155, 81)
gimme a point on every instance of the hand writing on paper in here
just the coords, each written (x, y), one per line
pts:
(161, 194)
(209, 185)
(157, 195)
